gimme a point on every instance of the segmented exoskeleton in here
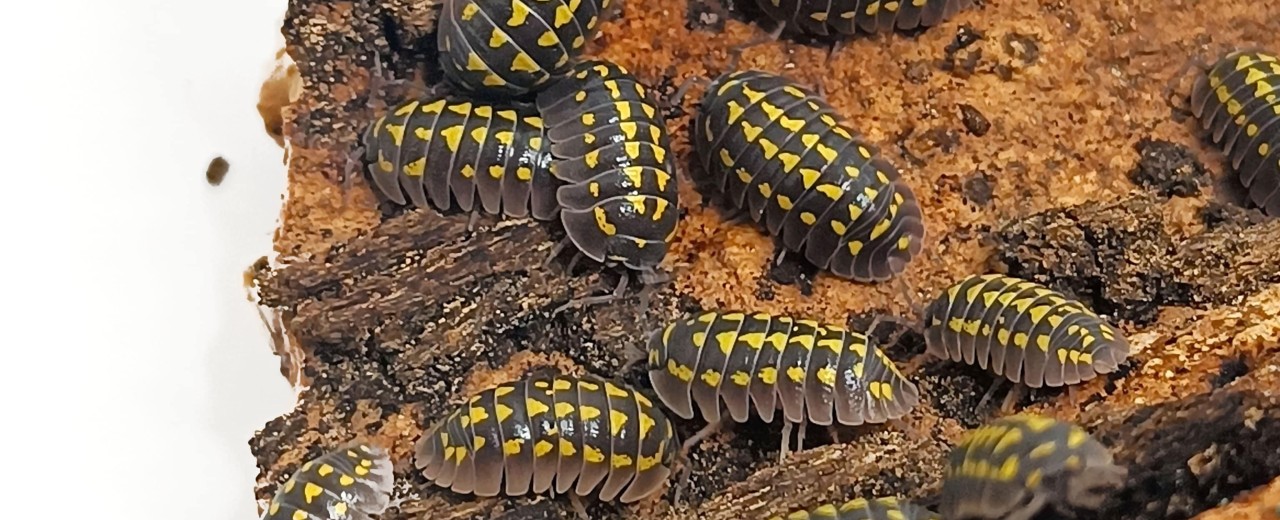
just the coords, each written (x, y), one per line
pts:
(847, 17)
(1022, 331)
(1016, 466)
(885, 508)
(1237, 100)
(611, 148)
(601, 163)
(815, 372)
(782, 154)
(578, 434)
(351, 482)
(506, 48)
(443, 151)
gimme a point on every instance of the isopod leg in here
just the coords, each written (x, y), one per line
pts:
(912, 300)
(596, 300)
(677, 99)
(573, 262)
(903, 327)
(578, 506)
(1010, 399)
(990, 392)
(698, 437)
(835, 47)
(555, 251)
(779, 252)
(682, 460)
(804, 427)
(786, 439)
(648, 279)
(350, 164)
(634, 354)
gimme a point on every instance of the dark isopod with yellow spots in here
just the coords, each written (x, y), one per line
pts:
(438, 152)
(505, 48)
(815, 372)
(611, 148)
(782, 154)
(1014, 467)
(1238, 101)
(351, 482)
(885, 508)
(848, 17)
(1023, 331)
(567, 434)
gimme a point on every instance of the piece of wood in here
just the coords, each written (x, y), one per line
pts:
(397, 321)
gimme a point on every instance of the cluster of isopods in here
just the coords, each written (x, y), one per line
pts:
(592, 149)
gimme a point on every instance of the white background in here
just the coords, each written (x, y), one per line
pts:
(134, 370)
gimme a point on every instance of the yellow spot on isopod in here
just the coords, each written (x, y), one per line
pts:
(310, 491)
(592, 454)
(523, 63)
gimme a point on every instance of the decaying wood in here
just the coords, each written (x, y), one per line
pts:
(1192, 454)
(398, 320)
(1121, 259)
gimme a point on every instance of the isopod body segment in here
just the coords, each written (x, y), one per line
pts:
(508, 48)
(573, 435)
(352, 481)
(442, 152)
(1238, 102)
(848, 17)
(1022, 331)
(1014, 467)
(780, 153)
(815, 372)
(612, 152)
(884, 508)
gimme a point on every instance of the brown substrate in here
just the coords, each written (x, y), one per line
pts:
(399, 316)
